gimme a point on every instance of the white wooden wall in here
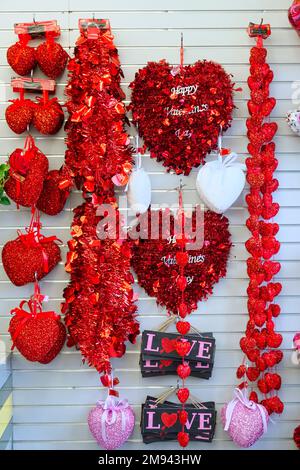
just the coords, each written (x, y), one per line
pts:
(51, 402)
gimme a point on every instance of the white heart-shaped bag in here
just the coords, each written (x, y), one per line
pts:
(220, 182)
(139, 190)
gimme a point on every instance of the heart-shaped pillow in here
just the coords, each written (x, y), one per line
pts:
(220, 182)
(24, 262)
(179, 111)
(56, 190)
(157, 269)
(111, 422)
(28, 169)
(39, 338)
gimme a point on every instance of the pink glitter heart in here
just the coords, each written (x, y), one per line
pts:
(246, 423)
(111, 422)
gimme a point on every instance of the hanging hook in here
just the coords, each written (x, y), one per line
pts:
(33, 18)
(181, 49)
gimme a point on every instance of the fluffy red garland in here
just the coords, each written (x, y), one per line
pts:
(165, 282)
(99, 307)
(175, 125)
(98, 147)
(260, 342)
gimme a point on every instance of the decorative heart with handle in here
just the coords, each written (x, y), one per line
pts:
(220, 182)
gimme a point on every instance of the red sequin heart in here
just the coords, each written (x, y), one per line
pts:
(183, 394)
(183, 370)
(183, 327)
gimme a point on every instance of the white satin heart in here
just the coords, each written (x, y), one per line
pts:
(220, 182)
(139, 191)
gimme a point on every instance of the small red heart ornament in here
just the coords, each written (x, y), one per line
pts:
(183, 327)
(183, 370)
(183, 394)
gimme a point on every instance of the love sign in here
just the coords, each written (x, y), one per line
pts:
(162, 421)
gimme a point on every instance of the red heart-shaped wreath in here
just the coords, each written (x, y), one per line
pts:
(179, 111)
(154, 261)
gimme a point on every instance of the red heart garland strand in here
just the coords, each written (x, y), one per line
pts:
(260, 341)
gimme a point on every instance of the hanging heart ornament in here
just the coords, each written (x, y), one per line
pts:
(220, 182)
(157, 265)
(180, 110)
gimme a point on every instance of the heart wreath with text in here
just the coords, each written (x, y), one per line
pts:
(179, 111)
(157, 262)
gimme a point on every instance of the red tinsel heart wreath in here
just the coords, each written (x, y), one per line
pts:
(179, 111)
(158, 271)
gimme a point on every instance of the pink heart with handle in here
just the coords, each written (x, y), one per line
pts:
(111, 422)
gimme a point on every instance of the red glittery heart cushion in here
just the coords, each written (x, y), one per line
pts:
(38, 338)
(179, 111)
(48, 116)
(57, 346)
(55, 193)
(21, 262)
(28, 171)
(21, 58)
(19, 115)
(51, 58)
(158, 272)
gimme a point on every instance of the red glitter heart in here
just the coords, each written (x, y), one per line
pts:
(21, 262)
(39, 338)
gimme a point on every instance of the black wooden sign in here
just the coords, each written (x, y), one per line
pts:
(161, 421)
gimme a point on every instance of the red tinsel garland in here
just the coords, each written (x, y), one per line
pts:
(99, 307)
(179, 111)
(261, 340)
(98, 146)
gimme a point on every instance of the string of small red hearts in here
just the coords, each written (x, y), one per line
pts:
(183, 327)
(260, 342)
